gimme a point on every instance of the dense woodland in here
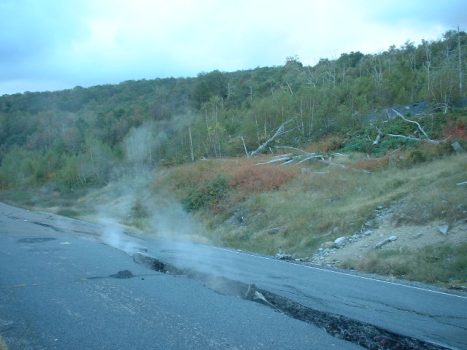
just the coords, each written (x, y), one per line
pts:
(83, 136)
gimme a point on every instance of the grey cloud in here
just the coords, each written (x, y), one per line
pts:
(30, 31)
(38, 39)
(449, 13)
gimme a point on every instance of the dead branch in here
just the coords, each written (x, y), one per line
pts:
(303, 157)
(290, 88)
(312, 156)
(411, 138)
(426, 139)
(300, 156)
(290, 161)
(377, 139)
(413, 122)
(283, 158)
(292, 148)
(279, 132)
(330, 162)
(244, 147)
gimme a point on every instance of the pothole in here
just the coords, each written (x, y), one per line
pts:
(155, 264)
(339, 326)
(36, 239)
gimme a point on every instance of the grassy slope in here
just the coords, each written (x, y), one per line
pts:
(268, 208)
(322, 204)
(310, 207)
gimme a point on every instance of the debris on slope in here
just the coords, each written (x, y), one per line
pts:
(385, 241)
(382, 232)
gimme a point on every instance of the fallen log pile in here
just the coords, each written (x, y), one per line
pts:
(299, 156)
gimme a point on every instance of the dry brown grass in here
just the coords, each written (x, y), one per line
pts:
(282, 207)
(261, 178)
(440, 263)
(242, 173)
(317, 207)
(372, 164)
(327, 144)
(191, 175)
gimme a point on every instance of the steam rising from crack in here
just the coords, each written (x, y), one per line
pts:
(129, 196)
(114, 236)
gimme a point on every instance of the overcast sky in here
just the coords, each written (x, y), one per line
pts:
(57, 44)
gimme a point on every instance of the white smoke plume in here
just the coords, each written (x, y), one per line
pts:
(131, 188)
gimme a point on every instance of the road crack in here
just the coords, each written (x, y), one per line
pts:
(339, 326)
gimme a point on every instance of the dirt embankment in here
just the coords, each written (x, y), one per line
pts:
(383, 228)
(431, 252)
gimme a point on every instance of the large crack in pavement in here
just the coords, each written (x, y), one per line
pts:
(358, 332)
(52, 227)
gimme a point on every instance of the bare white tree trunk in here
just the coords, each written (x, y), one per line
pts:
(279, 132)
(428, 66)
(191, 144)
(244, 147)
(460, 61)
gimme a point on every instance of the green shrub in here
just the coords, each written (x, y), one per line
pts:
(68, 212)
(425, 152)
(69, 174)
(358, 143)
(207, 196)
(138, 210)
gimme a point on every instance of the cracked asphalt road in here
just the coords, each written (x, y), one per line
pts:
(61, 288)
(57, 292)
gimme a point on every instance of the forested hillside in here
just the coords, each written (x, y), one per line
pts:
(78, 137)
(324, 163)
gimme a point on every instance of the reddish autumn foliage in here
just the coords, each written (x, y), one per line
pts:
(261, 178)
(456, 130)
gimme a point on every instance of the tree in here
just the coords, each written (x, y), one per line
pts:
(209, 85)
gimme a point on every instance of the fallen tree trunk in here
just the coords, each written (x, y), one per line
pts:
(303, 156)
(279, 159)
(279, 132)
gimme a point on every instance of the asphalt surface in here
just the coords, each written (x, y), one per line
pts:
(434, 315)
(57, 292)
